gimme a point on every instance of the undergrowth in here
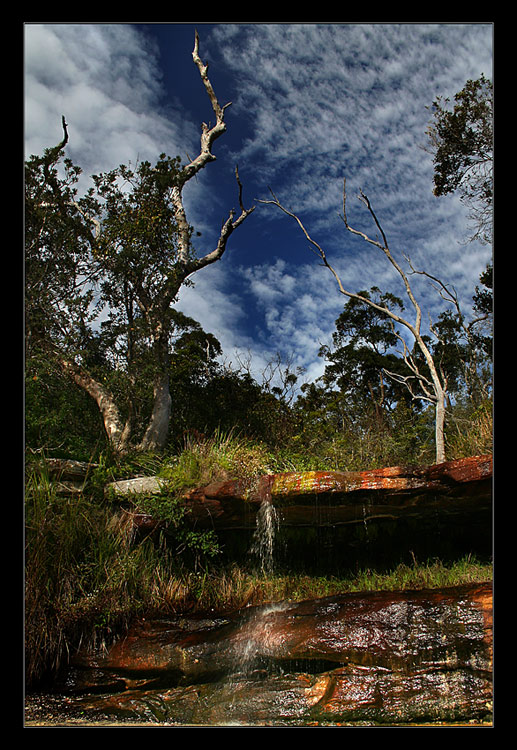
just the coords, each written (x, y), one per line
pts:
(220, 457)
(88, 574)
(235, 586)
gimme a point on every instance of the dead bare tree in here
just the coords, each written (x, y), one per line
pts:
(430, 386)
(185, 265)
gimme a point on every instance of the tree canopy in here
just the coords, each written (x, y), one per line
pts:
(103, 272)
(461, 139)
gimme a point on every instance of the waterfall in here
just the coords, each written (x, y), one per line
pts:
(258, 639)
(263, 542)
(267, 523)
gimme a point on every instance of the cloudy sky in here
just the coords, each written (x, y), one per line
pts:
(311, 104)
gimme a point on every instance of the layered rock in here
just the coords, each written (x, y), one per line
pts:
(317, 498)
(378, 657)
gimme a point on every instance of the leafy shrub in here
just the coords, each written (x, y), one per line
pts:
(221, 457)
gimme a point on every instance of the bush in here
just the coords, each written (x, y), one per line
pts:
(84, 578)
(221, 457)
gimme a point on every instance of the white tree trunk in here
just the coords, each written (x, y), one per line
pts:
(157, 430)
(433, 390)
(116, 431)
(155, 310)
(440, 429)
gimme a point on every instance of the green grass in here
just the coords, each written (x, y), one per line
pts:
(236, 587)
(220, 457)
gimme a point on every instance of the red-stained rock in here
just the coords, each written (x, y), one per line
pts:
(390, 492)
(394, 630)
(380, 657)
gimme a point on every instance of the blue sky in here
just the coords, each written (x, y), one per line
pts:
(311, 103)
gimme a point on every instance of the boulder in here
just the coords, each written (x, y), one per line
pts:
(138, 486)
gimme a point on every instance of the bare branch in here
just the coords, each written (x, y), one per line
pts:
(240, 186)
(438, 388)
(385, 249)
(321, 253)
(89, 219)
(63, 143)
(227, 230)
(208, 135)
(408, 381)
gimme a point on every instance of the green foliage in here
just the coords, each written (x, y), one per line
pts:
(234, 587)
(87, 577)
(464, 135)
(337, 433)
(462, 141)
(218, 458)
(57, 268)
(53, 401)
(73, 580)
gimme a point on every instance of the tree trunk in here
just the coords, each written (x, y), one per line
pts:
(158, 428)
(440, 429)
(116, 431)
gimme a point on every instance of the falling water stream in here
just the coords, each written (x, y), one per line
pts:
(256, 634)
(263, 542)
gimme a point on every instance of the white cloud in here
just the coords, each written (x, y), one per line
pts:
(313, 103)
(334, 100)
(105, 80)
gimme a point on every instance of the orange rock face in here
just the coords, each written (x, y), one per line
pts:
(384, 657)
(392, 489)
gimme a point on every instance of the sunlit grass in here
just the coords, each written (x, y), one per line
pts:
(237, 587)
(219, 457)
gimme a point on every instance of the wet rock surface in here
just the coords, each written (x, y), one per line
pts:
(382, 658)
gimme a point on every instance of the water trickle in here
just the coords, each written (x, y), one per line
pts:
(259, 638)
(365, 520)
(263, 542)
(267, 523)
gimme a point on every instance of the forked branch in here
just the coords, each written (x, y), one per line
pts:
(208, 136)
(433, 390)
(325, 262)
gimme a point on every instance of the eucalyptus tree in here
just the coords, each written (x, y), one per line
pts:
(424, 377)
(460, 137)
(126, 246)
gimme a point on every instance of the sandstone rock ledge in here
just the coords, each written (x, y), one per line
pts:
(318, 498)
(382, 657)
